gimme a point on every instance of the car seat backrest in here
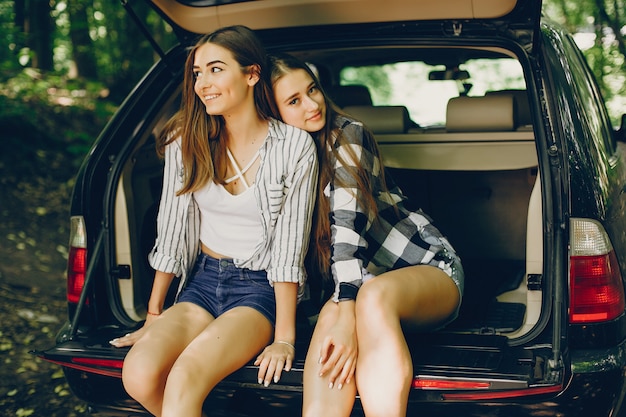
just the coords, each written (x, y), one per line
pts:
(522, 106)
(382, 119)
(350, 95)
(481, 114)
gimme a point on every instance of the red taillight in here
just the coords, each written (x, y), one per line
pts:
(105, 363)
(500, 395)
(76, 268)
(77, 261)
(596, 289)
(106, 367)
(448, 384)
(480, 389)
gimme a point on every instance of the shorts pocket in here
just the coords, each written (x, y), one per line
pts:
(256, 278)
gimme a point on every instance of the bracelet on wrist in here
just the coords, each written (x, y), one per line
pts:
(150, 313)
(282, 342)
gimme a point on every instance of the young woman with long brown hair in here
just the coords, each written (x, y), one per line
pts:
(234, 216)
(362, 222)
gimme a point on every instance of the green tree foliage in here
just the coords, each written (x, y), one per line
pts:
(28, 30)
(8, 32)
(90, 39)
(124, 53)
(65, 66)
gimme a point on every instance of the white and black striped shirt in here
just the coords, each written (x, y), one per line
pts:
(285, 190)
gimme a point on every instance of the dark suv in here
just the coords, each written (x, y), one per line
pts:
(488, 118)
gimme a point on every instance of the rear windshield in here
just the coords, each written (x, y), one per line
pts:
(425, 90)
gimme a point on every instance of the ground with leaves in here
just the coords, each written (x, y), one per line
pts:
(33, 233)
(43, 140)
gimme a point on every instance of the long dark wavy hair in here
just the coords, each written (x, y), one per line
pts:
(203, 135)
(328, 140)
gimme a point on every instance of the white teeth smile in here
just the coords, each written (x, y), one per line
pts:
(211, 97)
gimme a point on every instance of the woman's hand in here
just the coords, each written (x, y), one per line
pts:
(130, 339)
(274, 358)
(160, 286)
(339, 350)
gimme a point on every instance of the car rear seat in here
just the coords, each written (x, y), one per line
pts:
(478, 187)
(475, 180)
(491, 113)
(382, 119)
(522, 107)
(481, 134)
(511, 217)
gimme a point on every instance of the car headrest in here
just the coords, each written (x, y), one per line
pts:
(523, 116)
(349, 95)
(382, 119)
(485, 113)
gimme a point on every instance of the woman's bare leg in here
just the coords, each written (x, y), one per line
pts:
(318, 399)
(149, 361)
(225, 345)
(423, 296)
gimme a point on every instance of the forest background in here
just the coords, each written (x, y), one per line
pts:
(65, 67)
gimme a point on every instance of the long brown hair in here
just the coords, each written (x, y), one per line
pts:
(203, 135)
(329, 139)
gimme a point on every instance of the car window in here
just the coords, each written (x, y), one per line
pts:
(410, 84)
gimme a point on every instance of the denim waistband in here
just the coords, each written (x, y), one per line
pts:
(204, 260)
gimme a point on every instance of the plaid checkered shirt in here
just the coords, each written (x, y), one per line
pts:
(395, 239)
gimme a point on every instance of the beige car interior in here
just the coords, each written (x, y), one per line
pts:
(477, 177)
(284, 13)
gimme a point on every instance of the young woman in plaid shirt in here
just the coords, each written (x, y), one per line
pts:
(361, 224)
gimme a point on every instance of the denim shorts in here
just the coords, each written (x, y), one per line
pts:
(217, 285)
(458, 276)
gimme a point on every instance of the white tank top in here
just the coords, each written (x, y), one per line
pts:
(229, 224)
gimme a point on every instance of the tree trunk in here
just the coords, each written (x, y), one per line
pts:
(19, 20)
(82, 44)
(14, 35)
(39, 29)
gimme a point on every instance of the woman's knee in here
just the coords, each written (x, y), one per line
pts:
(373, 299)
(421, 291)
(325, 409)
(140, 377)
(187, 372)
(327, 316)
(138, 384)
